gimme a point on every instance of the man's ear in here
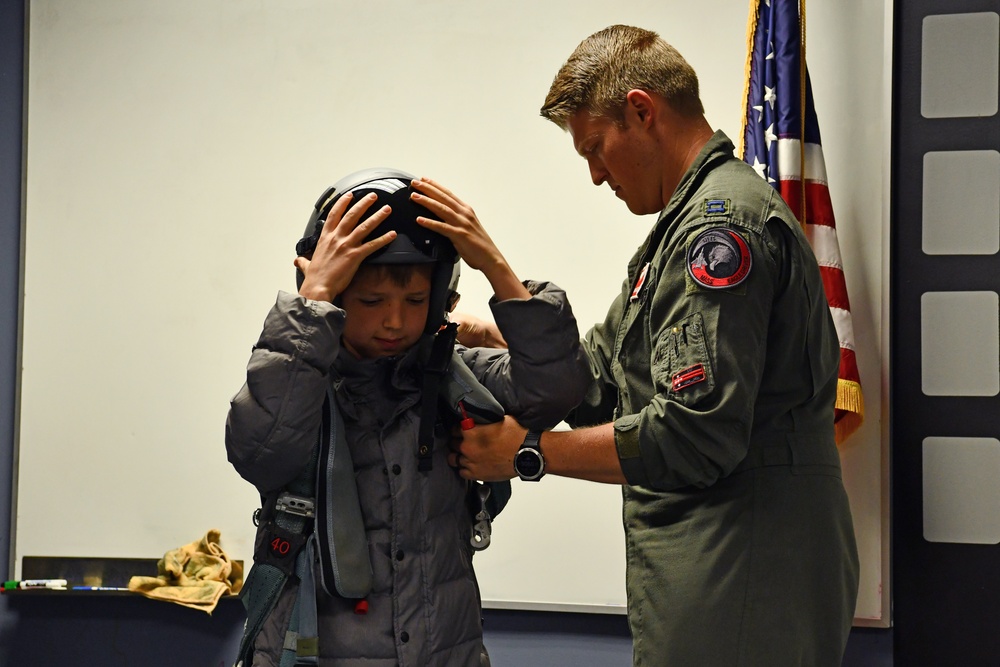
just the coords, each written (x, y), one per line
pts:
(641, 105)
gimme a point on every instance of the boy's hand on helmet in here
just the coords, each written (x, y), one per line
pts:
(341, 248)
(458, 222)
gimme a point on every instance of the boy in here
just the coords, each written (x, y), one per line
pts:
(375, 286)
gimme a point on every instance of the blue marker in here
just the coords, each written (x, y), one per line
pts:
(98, 588)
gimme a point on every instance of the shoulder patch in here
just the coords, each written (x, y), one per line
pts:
(719, 258)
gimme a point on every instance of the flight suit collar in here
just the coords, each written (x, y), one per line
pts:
(719, 147)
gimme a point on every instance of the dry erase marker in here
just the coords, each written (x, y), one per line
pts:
(98, 588)
(29, 584)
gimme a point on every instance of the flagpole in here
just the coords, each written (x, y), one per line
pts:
(802, 108)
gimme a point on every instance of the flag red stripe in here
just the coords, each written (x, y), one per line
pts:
(791, 192)
(835, 286)
(820, 211)
(849, 366)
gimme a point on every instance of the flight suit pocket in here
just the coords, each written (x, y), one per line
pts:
(682, 369)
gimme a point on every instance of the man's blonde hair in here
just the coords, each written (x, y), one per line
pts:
(608, 64)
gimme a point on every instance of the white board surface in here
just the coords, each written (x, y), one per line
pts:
(173, 153)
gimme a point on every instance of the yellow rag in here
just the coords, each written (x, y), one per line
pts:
(195, 575)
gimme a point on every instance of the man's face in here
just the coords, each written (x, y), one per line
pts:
(384, 318)
(621, 155)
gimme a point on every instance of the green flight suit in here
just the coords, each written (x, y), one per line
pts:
(718, 364)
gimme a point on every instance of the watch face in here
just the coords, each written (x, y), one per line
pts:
(528, 463)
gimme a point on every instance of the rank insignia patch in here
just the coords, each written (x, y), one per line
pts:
(719, 258)
(716, 206)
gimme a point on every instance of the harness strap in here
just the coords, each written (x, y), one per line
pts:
(259, 594)
(345, 565)
(434, 370)
(301, 644)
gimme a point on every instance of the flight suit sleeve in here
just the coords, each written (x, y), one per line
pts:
(601, 397)
(706, 346)
(274, 419)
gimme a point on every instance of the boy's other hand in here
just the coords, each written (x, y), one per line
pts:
(477, 332)
(459, 223)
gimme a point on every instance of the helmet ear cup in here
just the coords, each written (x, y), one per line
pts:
(306, 245)
(444, 281)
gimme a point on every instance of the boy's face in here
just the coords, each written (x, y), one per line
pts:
(384, 318)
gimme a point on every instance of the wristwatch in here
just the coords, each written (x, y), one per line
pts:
(529, 463)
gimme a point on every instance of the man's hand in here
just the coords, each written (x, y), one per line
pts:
(487, 451)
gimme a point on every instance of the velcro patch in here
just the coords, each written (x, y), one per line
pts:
(719, 258)
(687, 377)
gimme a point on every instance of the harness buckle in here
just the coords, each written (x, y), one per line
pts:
(481, 529)
(297, 505)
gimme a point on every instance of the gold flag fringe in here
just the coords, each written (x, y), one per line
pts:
(849, 399)
(751, 32)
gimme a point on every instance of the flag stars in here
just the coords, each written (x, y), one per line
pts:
(769, 136)
(760, 112)
(769, 97)
(759, 167)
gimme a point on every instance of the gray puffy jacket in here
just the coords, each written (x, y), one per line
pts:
(424, 607)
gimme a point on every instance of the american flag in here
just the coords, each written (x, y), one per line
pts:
(777, 117)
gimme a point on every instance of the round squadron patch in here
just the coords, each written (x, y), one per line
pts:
(719, 258)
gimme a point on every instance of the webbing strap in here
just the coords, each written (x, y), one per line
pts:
(345, 564)
(260, 591)
(301, 645)
(434, 370)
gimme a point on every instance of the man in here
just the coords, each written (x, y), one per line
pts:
(714, 378)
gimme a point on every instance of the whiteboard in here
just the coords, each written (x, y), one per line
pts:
(174, 151)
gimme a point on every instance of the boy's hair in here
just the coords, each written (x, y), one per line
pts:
(607, 65)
